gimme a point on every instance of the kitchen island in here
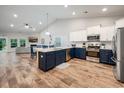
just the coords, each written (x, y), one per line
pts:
(50, 57)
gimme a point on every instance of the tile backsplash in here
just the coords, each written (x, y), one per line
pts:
(108, 45)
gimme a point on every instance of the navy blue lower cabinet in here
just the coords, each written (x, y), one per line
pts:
(80, 53)
(50, 60)
(46, 60)
(72, 52)
(105, 56)
(60, 57)
(42, 61)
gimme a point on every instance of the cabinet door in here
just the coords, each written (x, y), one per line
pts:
(60, 57)
(119, 23)
(79, 36)
(104, 56)
(84, 35)
(72, 52)
(83, 53)
(93, 30)
(106, 33)
(77, 52)
(50, 60)
(72, 36)
(80, 53)
(76, 36)
(103, 34)
(111, 33)
(42, 61)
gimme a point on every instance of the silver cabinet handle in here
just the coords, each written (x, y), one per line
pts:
(41, 56)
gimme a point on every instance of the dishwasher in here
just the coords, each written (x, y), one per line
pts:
(68, 54)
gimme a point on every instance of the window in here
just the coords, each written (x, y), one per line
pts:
(2, 43)
(13, 43)
(58, 42)
(22, 42)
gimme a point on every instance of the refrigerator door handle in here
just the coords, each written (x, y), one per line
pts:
(113, 59)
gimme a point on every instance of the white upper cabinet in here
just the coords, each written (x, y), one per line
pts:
(84, 35)
(119, 23)
(72, 36)
(80, 35)
(93, 30)
(76, 36)
(106, 33)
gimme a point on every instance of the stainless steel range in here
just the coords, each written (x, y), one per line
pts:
(93, 53)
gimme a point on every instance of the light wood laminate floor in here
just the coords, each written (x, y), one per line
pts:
(21, 71)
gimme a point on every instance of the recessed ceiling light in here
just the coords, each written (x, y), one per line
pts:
(15, 16)
(65, 6)
(34, 29)
(11, 25)
(104, 9)
(40, 23)
(73, 13)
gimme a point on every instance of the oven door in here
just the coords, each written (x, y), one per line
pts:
(93, 54)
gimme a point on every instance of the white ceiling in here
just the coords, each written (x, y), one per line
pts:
(33, 14)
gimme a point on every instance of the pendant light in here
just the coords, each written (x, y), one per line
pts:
(47, 33)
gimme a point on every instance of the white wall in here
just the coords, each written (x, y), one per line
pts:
(17, 36)
(63, 27)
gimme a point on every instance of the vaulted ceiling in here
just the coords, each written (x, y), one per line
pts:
(34, 14)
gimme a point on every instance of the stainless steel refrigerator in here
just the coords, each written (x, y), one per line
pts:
(118, 54)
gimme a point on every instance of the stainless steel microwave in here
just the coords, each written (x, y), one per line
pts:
(93, 38)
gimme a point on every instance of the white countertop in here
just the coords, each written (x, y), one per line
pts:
(57, 48)
(50, 49)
